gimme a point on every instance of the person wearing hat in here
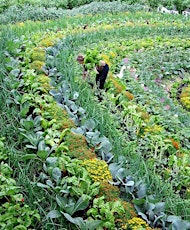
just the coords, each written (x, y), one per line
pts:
(80, 59)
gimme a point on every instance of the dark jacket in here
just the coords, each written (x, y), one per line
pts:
(101, 75)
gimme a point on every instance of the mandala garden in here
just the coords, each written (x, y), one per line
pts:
(71, 161)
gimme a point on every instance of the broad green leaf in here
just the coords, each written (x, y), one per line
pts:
(81, 111)
(42, 154)
(77, 220)
(121, 173)
(20, 227)
(52, 161)
(159, 207)
(50, 184)
(81, 204)
(114, 167)
(89, 125)
(15, 72)
(69, 208)
(27, 220)
(41, 145)
(57, 96)
(63, 133)
(24, 111)
(173, 218)
(56, 173)
(30, 147)
(61, 201)
(42, 185)
(141, 193)
(78, 130)
(93, 137)
(180, 224)
(130, 183)
(27, 124)
(53, 214)
(91, 134)
(144, 217)
(150, 207)
(160, 217)
(74, 108)
(105, 145)
(138, 201)
(93, 225)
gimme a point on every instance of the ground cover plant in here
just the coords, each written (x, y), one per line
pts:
(74, 158)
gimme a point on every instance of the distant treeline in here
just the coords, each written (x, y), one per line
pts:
(179, 5)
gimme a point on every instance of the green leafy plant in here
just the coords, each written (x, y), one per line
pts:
(163, 56)
(84, 224)
(97, 169)
(112, 214)
(14, 212)
(92, 58)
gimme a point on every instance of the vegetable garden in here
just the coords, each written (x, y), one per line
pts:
(70, 161)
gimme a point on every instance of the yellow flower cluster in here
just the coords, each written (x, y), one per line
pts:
(153, 129)
(38, 53)
(37, 66)
(129, 95)
(112, 54)
(21, 24)
(46, 42)
(97, 169)
(105, 58)
(137, 223)
(185, 97)
(45, 82)
(108, 27)
(119, 86)
(188, 193)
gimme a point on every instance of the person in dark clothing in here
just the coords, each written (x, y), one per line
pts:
(101, 70)
(102, 73)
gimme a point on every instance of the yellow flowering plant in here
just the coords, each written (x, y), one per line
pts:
(97, 169)
(137, 223)
(37, 66)
(38, 53)
(185, 97)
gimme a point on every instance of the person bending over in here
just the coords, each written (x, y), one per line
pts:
(80, 59)
(101, 70)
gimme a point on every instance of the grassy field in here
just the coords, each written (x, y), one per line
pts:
(72, 161)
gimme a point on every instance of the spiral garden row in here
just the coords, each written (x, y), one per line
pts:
(77, 159)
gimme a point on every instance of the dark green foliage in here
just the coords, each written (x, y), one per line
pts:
(70, 4)
(14, 11)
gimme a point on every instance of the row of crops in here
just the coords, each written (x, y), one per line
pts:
(70, 161)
